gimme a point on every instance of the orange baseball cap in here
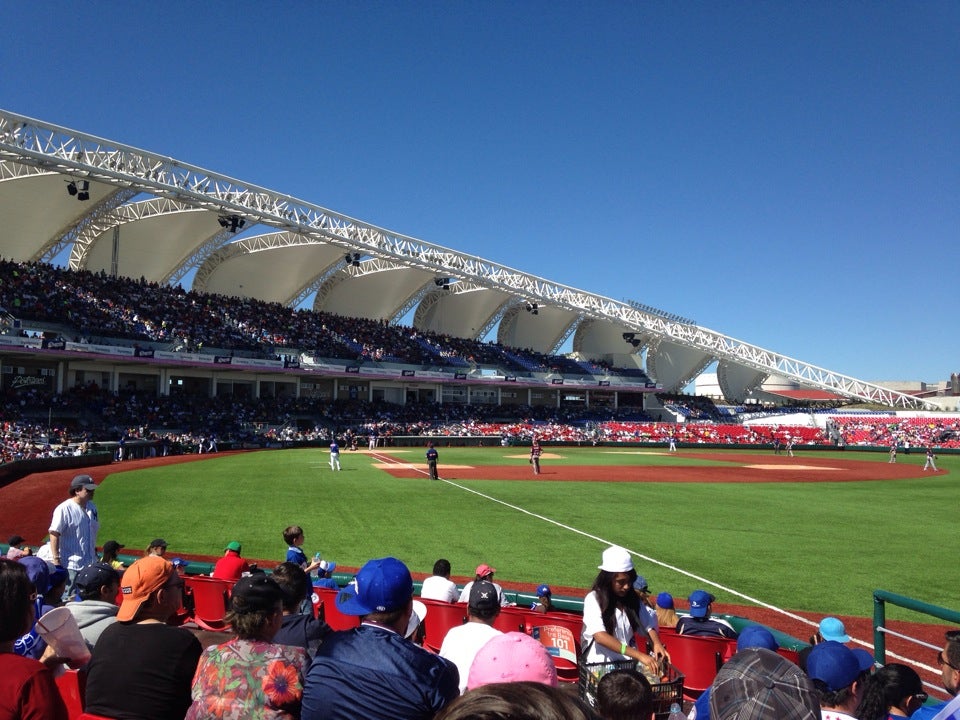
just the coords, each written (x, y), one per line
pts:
(140, 581)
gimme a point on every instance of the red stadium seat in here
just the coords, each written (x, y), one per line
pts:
(572, 621)
(71, 686)
(210, 598)
(563, 649)
(334, 618)
(699, 659)
(512, 619)
(441, 616)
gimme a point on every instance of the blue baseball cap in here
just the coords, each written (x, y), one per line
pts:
(865, 659)
(641, 584)
(700, 603)
(381, 585)
(756, 636)
(543, 590)
(832, 628)
(665, 601)
(833, 664)
(38, 571)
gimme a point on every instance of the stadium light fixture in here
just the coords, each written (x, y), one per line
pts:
(84, 192)
(233, 223)
(533, 308)
(352, 259)
(442, 283)
(72, 187)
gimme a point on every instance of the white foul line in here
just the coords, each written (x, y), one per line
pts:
(647, 558)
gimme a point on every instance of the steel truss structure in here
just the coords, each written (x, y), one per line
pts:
(57, 149)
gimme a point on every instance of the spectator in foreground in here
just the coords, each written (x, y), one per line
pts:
(30, 644)
(294, 537)
(250, 676)
(647, 606)
(97, 587)
(839, 679)
(461, 644)
(483, 572)
(829, 629)
(752, 636)
(666, 612)
(110, 555)
(892, 691)
(372, 671)
(544, 601)
(231, 566)
(512, 657)
(15, 551)
(517, 701)
(297, 627)
(624, 695)
(156, 547)
(141, 667)
(325, 579)
(439, 586)
(949, 661)
(699, 621)
(759, 684)
(26, 685)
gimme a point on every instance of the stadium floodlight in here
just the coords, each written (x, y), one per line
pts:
(233, 223)
(442, 283)
(84, 192)
(352, 259)
(533, 308)
(72, 187)
(628, 336)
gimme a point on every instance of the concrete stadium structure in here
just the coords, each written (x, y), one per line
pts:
(133, 213)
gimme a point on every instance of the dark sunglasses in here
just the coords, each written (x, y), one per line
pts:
(941, 660)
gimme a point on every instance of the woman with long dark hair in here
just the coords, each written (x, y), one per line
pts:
(894, 691)
(611, 615)
(26, 685)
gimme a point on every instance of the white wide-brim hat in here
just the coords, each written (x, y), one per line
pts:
(616, 559)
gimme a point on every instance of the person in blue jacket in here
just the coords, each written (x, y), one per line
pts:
(373, 671)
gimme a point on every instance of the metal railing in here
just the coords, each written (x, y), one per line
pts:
(880, 629)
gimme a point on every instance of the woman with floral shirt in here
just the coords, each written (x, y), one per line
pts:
(249, 677)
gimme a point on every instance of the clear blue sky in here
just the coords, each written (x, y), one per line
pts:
(785, 173)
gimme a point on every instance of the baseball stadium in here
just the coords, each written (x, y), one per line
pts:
(225, 361)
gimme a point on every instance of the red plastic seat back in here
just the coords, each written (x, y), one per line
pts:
(331, 613)
(512, 619)
(211, 598)
(71, 686)
(562, 648)
(699, 658)
(441, 616)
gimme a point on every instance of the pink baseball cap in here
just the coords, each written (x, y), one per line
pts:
(483, 570)
(512, 657)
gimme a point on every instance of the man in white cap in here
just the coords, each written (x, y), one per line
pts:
(73, 530)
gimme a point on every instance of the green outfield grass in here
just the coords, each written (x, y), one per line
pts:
(822, 547)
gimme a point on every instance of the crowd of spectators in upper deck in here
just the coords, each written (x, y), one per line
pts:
(97, 306)
(100, 307)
